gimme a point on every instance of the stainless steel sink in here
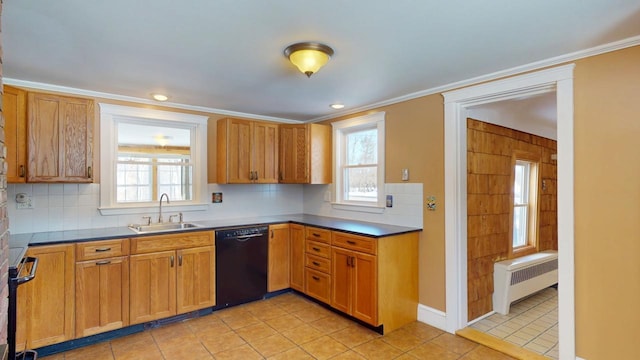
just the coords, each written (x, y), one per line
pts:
(164, 227)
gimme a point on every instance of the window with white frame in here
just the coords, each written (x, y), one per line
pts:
(359, 160)
(146, 153)
(525, 204)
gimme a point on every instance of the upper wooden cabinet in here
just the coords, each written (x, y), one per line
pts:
(247, 152)
(15, 132)
(305, 154)
(60, 138)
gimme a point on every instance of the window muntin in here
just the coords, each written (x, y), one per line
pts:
(524, 224)
(359, 160)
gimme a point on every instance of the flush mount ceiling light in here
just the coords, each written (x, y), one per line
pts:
(309, 57)
(159, 97)
(337, 106)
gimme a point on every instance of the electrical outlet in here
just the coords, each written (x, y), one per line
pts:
(431, 203)
(25, 204)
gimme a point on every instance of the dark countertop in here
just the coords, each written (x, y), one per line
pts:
(18, 243)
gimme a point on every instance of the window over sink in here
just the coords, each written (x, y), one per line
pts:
(145, 153)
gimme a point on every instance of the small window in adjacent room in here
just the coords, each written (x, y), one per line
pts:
(359, 161)
(524, 224)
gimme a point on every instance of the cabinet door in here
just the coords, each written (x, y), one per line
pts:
(297, 256)
(49, 308)
(15, 129)
(102, 295)
(152, 286)
(279, 252)
(60, 138)
(265, 153)
(238, 151)
(342, 279)
(364, 302)
(196, 279)
(294, 154)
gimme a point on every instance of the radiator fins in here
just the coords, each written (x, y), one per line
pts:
(533, 271)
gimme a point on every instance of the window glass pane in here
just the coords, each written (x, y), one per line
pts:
(520, 226)
(362, 147)
(521, 183)
(153, 159)
(361, 184)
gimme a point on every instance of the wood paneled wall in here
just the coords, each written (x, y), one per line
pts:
(489, 152)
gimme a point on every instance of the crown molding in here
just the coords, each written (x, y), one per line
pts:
(103, 95)
(597, 50)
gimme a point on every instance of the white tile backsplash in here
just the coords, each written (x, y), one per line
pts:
(75, 206)
(406, 210)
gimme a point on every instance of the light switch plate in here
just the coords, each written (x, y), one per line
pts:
(405, 174)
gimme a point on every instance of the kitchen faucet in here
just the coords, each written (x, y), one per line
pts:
(168, 202)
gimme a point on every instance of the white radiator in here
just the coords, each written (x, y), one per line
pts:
(516, 278)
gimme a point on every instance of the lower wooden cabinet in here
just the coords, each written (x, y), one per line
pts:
(196, 279)
(354, 288)
(296, 233)
(171, 274)
(279, 255)
(102, 295)
(46, 304)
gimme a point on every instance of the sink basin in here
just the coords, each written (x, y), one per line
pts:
(154, 228)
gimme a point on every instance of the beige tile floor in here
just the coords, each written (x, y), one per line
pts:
(531, 323)
(287, 326)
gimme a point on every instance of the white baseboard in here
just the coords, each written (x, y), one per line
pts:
(433, 317)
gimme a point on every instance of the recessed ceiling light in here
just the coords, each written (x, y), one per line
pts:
(337, 106)
(159, 97)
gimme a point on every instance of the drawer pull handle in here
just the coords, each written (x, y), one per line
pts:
(103, 262)
(351, 242)
(316, 263)
(316, 278)
(316, 234)
(315, 249)
(180, 260)
(171, 260)
(103, 249)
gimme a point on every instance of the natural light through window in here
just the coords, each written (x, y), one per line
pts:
(151, 152)
(359, 160)
(525, 204)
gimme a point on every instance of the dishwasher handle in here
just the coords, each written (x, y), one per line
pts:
(247, 237)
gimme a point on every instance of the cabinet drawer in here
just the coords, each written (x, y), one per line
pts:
(354, 242)
(317, 234)
(92, 250)
(155, 243)
(319, 249)
(318, 263)
(317, 285)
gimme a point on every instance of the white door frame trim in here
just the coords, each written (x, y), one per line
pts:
(456, 102)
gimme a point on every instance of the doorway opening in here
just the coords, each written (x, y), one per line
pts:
(457, 105)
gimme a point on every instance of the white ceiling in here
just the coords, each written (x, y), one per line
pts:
(227, 54)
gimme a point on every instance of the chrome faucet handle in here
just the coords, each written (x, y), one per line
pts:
(171, 218)
(180, 215)
(148, 218)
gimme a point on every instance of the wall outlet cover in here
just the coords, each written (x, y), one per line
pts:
(431, 203)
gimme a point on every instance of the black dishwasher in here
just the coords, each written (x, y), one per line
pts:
(241, 265)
